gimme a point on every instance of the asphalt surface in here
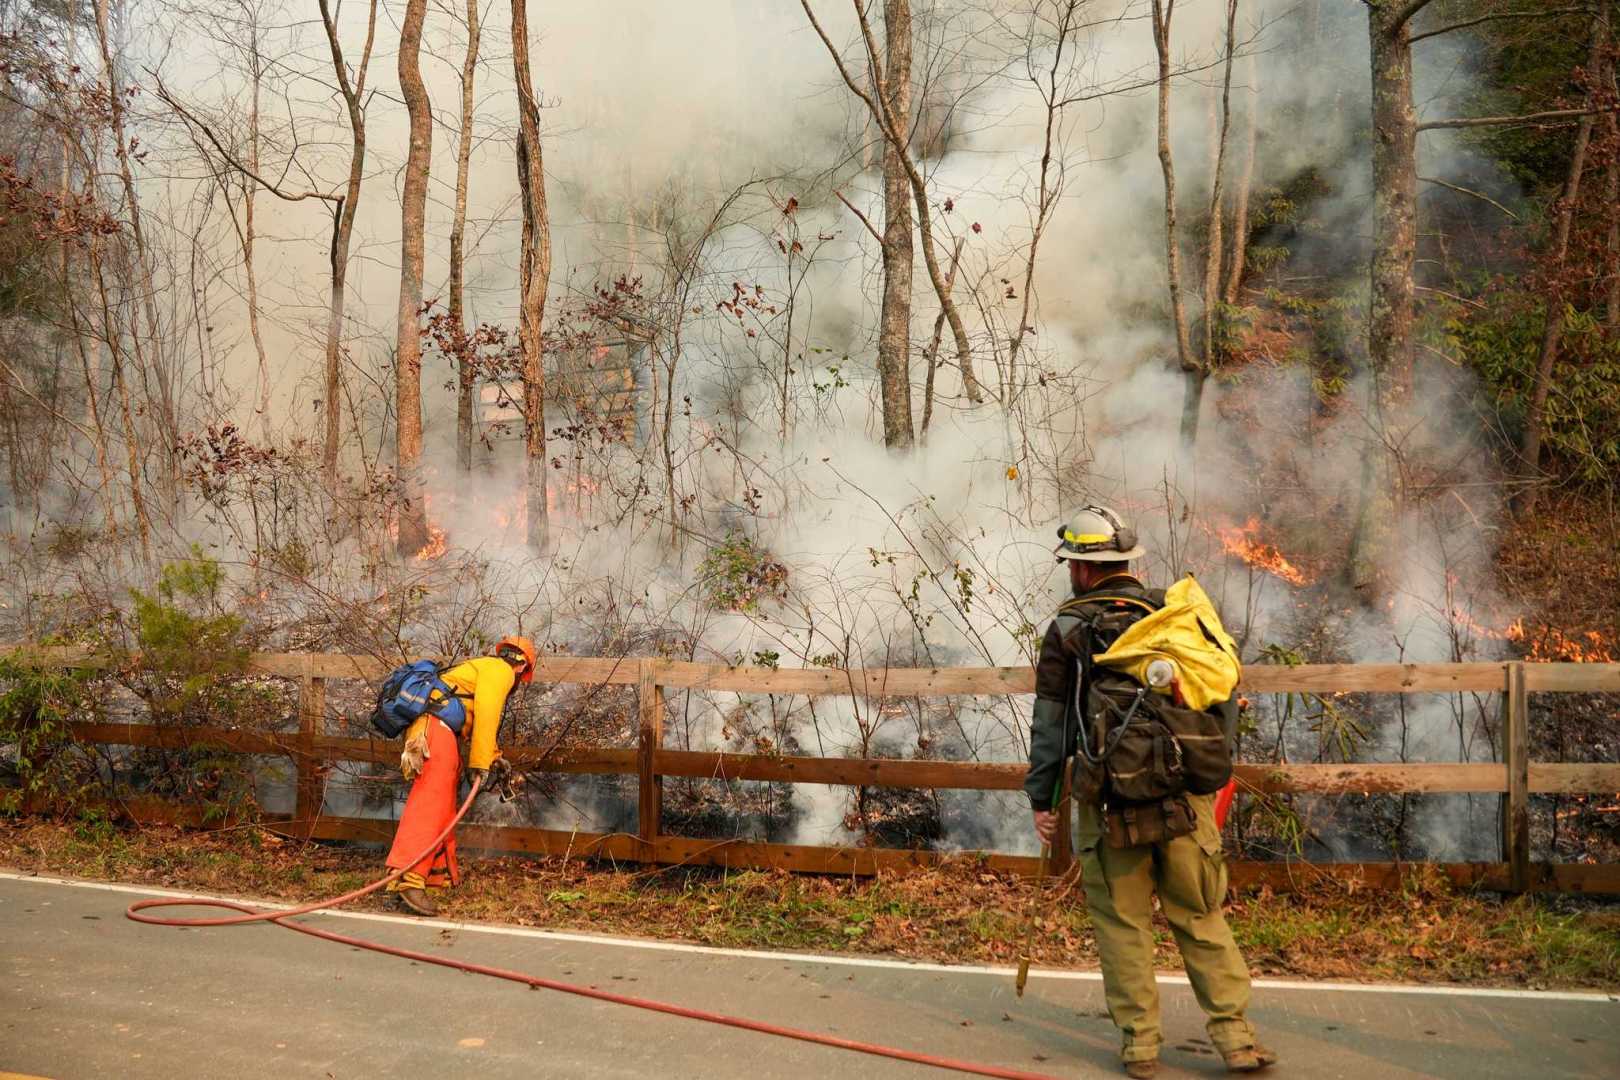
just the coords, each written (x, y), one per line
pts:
(84, 992)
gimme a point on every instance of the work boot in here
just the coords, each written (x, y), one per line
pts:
(418, 902)
(1251, 1058)
(1142, 1070)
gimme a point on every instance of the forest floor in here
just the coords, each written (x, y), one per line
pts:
(1427, 931)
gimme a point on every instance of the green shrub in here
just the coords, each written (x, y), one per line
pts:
(1503, 345)
(37, 745)
(187, 642)
(738, 573)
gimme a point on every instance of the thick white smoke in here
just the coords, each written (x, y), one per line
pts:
(941, 555)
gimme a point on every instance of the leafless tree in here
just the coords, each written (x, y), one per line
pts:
(534, 278)
(1557, 286)
(894, 327)
(353, 88)
(1245, 185)
(898, 140)
(1163, 12)
(413, 525)
(145, 339)
(1213, 323)
(458, 232)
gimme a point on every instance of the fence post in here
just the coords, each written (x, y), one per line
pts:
(311, 711)
(1516, 822)
(649, 802)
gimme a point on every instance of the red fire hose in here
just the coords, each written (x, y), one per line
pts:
(249, 915)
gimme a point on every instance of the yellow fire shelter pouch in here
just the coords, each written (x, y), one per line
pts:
(1188, 633)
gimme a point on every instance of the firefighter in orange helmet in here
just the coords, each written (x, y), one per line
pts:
(432, 761)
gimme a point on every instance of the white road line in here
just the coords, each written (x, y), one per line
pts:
(821, 958)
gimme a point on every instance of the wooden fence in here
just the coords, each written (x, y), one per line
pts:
(313, 751)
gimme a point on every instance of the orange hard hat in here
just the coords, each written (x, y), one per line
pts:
(524, 646)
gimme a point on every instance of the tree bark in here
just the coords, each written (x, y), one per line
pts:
(1240, 195)
(534, 277)
(413, 530)
(1214, 321)
(1611, 203)
(1212, 263)
(113, 335)
(148, 356)
(930, 358)
(249, 234)
(464, 367)
(342, 231)
(894, 333)
(108, 494)
(1189, 362)
(1391, 305)
(1555, 299)
(876, 104)
(1394, 164)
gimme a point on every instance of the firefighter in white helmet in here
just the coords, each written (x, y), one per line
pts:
(1172, 848)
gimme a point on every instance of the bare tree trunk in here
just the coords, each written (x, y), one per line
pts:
(249, 191)
(148, 357)
(894, 334)
(464, 367)
(114, 337)
(534, 277)
(877, 105)
(1394, 163)
(342, 231)
(1392, 293)
(1555, 301)
(1214, 322)
(1163, 12)
(931, 357)
(1212, 292)
(413, 531)
(109, 494)
(1611, 204)
(1240, 196)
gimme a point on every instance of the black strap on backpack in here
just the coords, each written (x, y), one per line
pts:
(1082, 681)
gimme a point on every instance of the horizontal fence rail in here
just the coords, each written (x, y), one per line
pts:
(312, 751)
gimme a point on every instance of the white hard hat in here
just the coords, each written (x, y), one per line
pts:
(1097, 534)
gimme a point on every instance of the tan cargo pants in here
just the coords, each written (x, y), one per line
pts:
(1189, 876)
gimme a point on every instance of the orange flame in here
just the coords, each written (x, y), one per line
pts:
(436, 546)
(1545, 644)
(1551, 644)
(1244, 542)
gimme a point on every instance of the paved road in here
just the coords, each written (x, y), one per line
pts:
(86, 993)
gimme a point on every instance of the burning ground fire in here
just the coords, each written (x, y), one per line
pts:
(1243, 541)
(1545, 644)
(436, 546)
(1542, 644)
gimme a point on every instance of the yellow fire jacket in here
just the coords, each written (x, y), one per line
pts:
(487, 680)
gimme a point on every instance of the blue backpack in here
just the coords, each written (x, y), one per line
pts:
(409, 691)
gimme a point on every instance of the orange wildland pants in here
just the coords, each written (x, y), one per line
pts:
(428, 809)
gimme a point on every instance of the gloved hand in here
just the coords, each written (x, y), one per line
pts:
(501, 774)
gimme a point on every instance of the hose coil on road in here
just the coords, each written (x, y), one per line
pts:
(136, 911)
